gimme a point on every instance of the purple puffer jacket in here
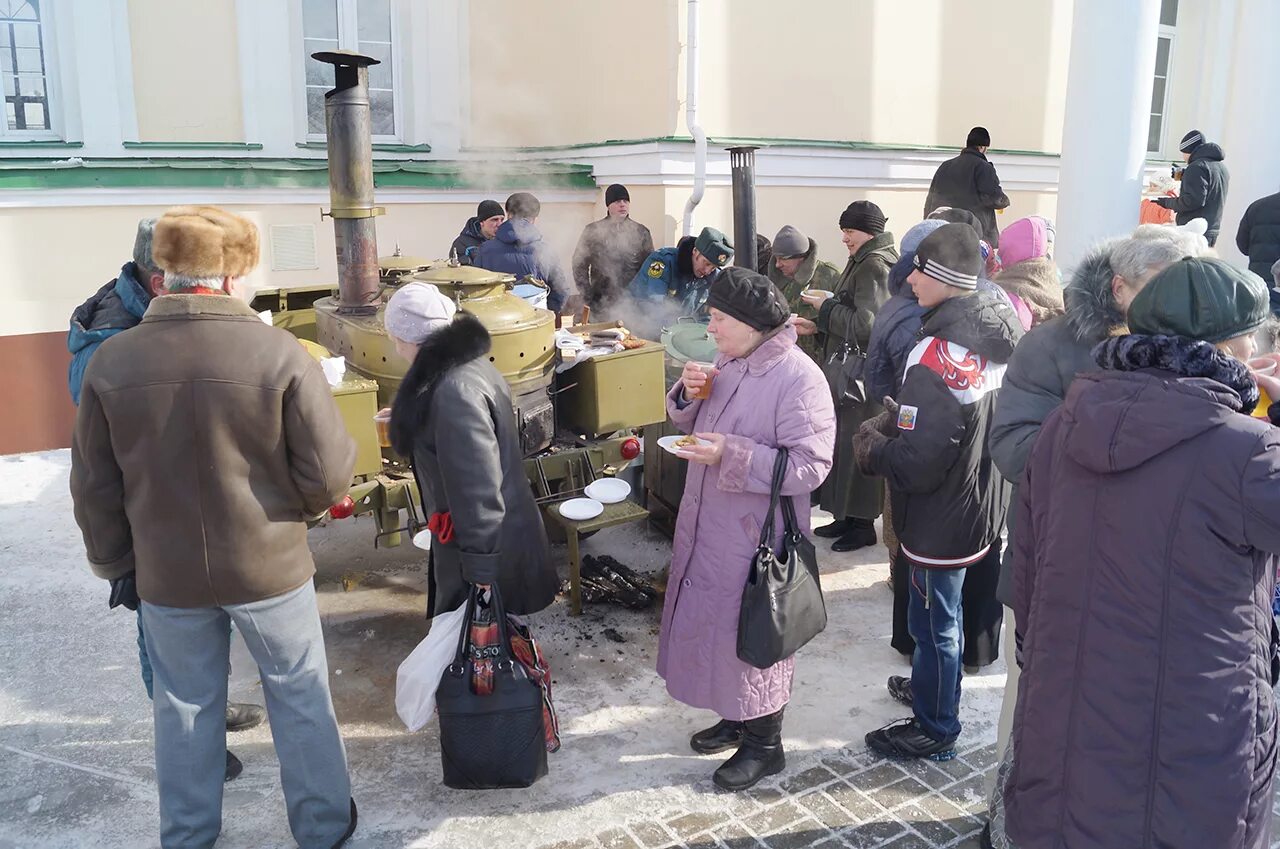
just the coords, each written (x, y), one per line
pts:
(776, 397)
(1142, 585)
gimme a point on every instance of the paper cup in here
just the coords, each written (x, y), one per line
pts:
(382, 421)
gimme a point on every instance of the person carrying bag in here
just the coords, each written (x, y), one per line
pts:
(782, 605)
(492, 725)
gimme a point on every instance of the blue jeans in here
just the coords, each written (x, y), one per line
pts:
(935, 618)
(190, 652)
(144, 662)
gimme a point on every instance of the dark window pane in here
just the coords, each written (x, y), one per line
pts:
(1157, 96)
(373, 20)
(380, 76)
(320, 19)
(382, 104)
(1169, 13)
(318, 73)
(1154, 133)
(1162, 56)
(315, 111)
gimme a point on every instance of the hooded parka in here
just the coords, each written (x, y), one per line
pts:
(1143, 584)
(519, 249)
(453, 415)
(773, 398)
(860, 292)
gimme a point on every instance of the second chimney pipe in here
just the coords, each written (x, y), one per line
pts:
(742, 163)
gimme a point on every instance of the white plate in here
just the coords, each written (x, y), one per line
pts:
(827, 293)
(609, 490)
(422, 539)
(581, 509)
(668, 443)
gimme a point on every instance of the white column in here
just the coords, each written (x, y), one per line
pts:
(1251, 137)
(1104, 133)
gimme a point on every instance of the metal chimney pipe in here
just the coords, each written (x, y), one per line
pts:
(349, 132)
(742, 163)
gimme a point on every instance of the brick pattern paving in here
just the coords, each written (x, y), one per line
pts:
(845, 800)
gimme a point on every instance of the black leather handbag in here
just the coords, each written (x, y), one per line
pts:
(493, 740)
(782, 605)
(844, 370)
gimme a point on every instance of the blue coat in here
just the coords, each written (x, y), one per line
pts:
(117, 306)
(519, 249)
(668, 273)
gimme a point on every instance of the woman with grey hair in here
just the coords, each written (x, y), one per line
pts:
(454, 419)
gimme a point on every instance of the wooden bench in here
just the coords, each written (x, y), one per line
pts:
(614, 514)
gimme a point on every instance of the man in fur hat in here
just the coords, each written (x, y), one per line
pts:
(203, 442)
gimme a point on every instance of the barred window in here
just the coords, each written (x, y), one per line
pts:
(360, 25)
(22, 64)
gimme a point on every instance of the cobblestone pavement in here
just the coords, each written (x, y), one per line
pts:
(848, 799)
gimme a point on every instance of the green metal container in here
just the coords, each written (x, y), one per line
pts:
(613, 392)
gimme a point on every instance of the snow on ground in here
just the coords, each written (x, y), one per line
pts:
(75, 724)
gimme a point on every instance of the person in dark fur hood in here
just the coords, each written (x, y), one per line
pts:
(1145, 558)
(454, 418)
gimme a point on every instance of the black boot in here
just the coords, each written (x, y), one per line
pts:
(760, 754)
(351, 829)
(861, 534)
(234, 768)
(242, 717)
(838, 528)
(725, 734)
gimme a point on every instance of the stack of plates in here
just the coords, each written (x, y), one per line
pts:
(601, 492)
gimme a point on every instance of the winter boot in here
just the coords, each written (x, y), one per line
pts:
(860, 534)
(908, 740)
(725, 734)
(242, 717)
(759, 755)
(351, 829)
(234, 768)
(900, 689)
(835, 529)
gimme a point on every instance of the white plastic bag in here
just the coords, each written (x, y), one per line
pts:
(419, 674)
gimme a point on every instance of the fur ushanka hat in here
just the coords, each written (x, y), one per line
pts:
(205, 242)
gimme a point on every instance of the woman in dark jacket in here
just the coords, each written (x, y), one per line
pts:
(453, 417)
(1143, 575)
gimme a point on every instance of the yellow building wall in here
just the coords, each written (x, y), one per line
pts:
(104, 242)
(816, 212)
(569, 72)
(186, 70)
(884, 71)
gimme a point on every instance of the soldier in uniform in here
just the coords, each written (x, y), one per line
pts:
(683, 273)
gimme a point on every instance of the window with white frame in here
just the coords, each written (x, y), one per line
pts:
(24, 66)
(360, 25)
(1160, 91)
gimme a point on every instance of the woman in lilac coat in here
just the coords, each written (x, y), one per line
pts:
(765, 395)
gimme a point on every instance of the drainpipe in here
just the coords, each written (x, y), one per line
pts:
(691, 118)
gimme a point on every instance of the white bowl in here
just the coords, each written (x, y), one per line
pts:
(609, 490)
(581, 509)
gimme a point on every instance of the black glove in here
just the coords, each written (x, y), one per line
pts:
(1163, 202)
(124, 591)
